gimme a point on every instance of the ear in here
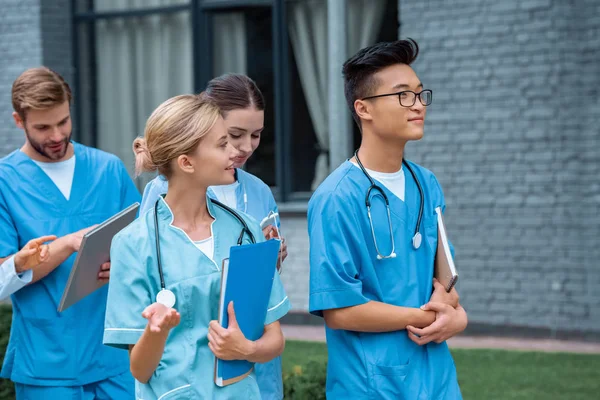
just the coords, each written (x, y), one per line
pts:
(362, 110)
(18, 120)
(185, 164)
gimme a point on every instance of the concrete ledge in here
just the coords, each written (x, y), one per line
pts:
(313, 333)
(300, 318)
(480, 329)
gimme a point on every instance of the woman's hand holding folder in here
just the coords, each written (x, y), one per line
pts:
(229, 344)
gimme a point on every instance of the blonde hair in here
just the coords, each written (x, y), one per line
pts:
(174, 128)
(39, 89)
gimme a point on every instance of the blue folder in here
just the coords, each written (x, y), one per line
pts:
(246, 279)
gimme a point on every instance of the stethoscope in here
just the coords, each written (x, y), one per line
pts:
(167, 297)
(416, 240)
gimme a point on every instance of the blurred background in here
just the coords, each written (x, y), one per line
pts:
(513, 133)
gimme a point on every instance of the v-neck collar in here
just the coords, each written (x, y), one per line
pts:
(166, 214)
(47, 185)
(400, 209)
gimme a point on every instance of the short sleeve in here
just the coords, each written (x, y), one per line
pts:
(152, 191)
(128, 295)
(334, 261)
(129, 192)
(9, 241)
(10, 281)
(279, 303)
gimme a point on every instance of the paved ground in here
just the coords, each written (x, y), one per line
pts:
(317, 333)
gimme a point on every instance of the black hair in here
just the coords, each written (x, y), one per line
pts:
(359, 70)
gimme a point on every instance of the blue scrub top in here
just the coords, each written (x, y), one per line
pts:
(186, 369)
(344, 272)
(259, 203)
(46, 347)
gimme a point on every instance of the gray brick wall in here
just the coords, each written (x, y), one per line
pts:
(20, 48)
(295, 271)
(32, 33)
(57, 41)
(514, 138)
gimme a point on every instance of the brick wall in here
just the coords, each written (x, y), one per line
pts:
(20, 48)
(295, 273)
(57, 42)
(32, 33)
(514, 139)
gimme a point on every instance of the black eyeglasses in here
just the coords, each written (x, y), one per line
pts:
(408, 98)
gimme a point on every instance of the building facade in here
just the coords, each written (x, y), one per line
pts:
(513, 133)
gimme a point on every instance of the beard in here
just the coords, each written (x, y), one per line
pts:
(45, 150)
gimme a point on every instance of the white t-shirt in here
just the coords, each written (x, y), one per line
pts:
(206, 246)
(61, 174)
(393, 181)
(226, 194)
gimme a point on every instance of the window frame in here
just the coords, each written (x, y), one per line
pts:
(200, 12)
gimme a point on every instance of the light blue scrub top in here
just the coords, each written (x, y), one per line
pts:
(187, 365)
(259, 198)
(259, 203)
(49, 348)
(344, 272)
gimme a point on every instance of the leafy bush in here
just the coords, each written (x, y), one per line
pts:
(306, 381)
(7, 390)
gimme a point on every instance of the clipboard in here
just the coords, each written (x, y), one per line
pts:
(445, 270)
(247, 280)
(93, 252)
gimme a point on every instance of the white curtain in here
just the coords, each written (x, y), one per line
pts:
(141, 62)
(308, 34)
(229, 43)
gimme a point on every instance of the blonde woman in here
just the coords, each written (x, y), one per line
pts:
(173, 345)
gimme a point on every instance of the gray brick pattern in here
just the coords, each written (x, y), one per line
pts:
(295, 273)
(513, 137)
(56, 26)
(20, 48)
(32, 33)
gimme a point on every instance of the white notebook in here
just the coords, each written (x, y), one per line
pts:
(445, 271)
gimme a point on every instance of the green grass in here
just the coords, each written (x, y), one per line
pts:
(482, 374)
(499, 374)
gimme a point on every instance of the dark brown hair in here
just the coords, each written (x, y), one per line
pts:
(234, 92)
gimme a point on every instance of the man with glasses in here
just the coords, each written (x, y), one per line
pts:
(373, 238)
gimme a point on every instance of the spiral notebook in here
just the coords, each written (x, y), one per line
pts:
(246, 279)
(445, 271)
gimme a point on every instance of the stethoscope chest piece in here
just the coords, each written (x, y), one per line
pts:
(166, 298)
(416, 240)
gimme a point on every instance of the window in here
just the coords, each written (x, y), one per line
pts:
(131, 55)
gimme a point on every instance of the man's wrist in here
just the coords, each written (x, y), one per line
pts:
(18, 267)
(421, 319)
